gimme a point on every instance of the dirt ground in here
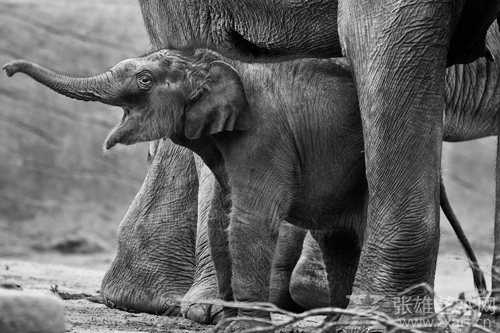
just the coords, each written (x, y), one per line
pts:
(82, 274)
(82, 315)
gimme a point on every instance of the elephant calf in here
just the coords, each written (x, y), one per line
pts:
(284, 140)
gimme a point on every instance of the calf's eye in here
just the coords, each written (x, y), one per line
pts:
(145, 82)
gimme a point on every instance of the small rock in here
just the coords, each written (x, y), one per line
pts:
(30, 312)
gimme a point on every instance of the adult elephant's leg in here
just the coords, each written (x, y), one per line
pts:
(205, 280)
(397, 50)
(286, 256)
(155, 263)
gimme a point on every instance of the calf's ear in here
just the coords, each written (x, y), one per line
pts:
(219, 105)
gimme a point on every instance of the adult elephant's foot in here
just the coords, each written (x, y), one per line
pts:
(123, 288)
(146, 279)
(155, 263)
(309, 282)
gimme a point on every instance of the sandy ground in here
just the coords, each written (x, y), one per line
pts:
(73, 275)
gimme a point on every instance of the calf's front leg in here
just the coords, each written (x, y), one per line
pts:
(218, 223)
(257, 212)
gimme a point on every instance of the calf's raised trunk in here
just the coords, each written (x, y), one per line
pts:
(95, 88)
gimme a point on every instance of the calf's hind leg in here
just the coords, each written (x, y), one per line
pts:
(286, 256)
(341, 250)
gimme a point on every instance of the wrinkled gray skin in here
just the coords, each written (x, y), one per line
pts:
(340, 258)
(256, 29)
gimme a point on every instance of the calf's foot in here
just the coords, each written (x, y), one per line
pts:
(244, 325)
(202, 289)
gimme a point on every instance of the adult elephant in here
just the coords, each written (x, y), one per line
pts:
(399, 51)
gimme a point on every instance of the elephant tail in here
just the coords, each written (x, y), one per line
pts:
(477, 273)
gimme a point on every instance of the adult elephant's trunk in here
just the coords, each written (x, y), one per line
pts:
(96, 88)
